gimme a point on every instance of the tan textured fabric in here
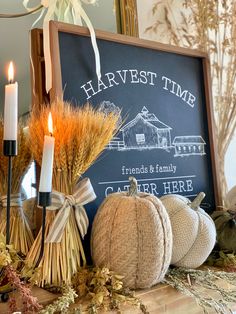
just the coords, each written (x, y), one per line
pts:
(132, 236)
(194, 233)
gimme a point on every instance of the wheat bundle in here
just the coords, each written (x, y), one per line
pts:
(20, 233)
(80, 136)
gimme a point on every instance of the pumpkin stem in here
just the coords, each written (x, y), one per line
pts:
(133, 190)
(197, 201)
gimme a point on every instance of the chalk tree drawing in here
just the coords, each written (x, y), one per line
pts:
(108, 107)
(189, 145)
(146, 131)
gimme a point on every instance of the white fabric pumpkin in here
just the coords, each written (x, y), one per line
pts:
(194, 232)
(131, 235)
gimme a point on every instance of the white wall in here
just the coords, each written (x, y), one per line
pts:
(230, 164)
(14, 42)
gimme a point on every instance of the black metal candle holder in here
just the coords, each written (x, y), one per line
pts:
(44, 200)
(10, 150)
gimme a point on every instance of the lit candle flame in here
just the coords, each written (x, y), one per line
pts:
(10, 72)
(50, 125)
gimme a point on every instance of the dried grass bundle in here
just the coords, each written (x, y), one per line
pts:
(20, 233)
(210, 26)
(80, 136)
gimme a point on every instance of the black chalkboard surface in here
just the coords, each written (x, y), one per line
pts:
(166, 141)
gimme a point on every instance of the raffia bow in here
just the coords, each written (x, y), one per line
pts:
(84, 194)
(69, 11)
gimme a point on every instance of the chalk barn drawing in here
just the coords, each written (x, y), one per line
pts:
(189, 145)
(146, 131)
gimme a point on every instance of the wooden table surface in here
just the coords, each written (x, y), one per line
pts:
(161, 299)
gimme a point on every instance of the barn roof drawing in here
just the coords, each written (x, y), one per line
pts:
(147, 117)
(189, 139)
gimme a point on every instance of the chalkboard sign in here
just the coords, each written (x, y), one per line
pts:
(166, 139)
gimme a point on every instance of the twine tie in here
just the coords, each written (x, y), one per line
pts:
(15, 200)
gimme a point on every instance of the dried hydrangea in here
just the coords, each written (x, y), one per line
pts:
(8, 254)
(5, 258)
(105, 290)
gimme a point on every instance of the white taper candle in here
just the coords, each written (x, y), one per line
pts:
(45, 183)
(11, 107)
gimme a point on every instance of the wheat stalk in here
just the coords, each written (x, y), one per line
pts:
(80, 136)
(20, 233)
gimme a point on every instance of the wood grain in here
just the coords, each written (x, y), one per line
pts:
(161, 299)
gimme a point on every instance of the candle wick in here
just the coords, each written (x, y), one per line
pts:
(50, 134)
(10, 81)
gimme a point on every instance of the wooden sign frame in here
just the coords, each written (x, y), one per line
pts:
(57, 88)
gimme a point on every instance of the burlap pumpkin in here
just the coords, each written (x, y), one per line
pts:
(131, 235)
(194, 233)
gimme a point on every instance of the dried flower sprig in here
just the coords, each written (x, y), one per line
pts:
(62, 304)
(29, 302)
(9, 261)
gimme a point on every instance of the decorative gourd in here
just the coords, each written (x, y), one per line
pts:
(131, 235)
(225, 222)
(194, 233)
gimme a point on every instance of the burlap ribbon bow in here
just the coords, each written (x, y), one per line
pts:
(83, 194)
(69, 11)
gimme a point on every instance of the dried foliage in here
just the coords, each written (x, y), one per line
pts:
(20, 232)
(203, 286)
(226, 260)
(80, 136)
(104, 290)
(211, 27)
(168, 24)
(9, 263)
(94, 290)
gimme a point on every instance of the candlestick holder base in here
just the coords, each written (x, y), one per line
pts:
(44, 199)
(9, 148)
(8, 217)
